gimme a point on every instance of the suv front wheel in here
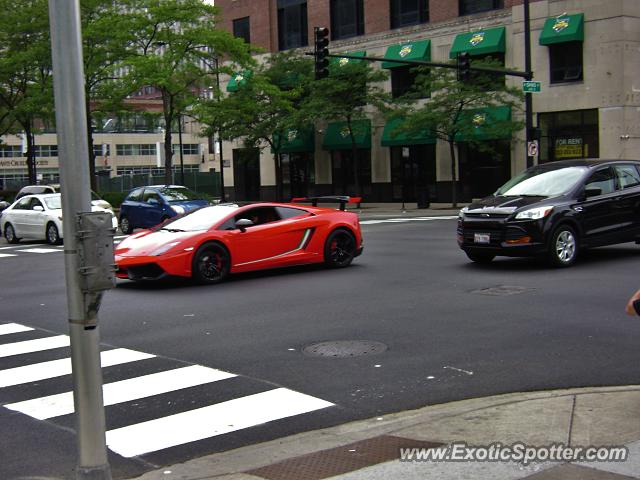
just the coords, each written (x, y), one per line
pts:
(563, 247)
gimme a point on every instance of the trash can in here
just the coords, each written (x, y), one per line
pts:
(422, 198)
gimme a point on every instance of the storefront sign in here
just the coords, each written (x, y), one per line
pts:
(570, 148)
(21, 163)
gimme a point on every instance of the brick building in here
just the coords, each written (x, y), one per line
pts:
(584, 52)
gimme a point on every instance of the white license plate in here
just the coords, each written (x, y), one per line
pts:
(481, 238)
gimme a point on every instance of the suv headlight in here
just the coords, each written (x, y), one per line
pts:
(178, 209)
(534, 213)
(462, 212)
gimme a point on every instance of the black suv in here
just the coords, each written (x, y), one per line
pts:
(555, 209)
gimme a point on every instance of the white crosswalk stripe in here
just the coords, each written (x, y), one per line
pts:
(40, 250)
(166, 426)
(211, 421)
(58, 368)
(2, 255)
(37, 345)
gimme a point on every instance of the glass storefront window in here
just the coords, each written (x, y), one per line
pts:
(567, 135)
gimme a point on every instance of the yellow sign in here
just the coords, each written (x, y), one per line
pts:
(343, 61)
(561, 24)
(477, 39)
(570, 148)
(292, 135)
(479, 119)
(344, 133)
(406, 50)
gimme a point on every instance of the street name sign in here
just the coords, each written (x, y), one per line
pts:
(530, 86)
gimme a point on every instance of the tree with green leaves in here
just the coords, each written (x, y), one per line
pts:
(457, 110)
(177, 43)
(107, 42)
(26, 88)
(350, 93)
(262, 110)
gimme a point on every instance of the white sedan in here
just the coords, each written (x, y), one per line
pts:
(38, 217)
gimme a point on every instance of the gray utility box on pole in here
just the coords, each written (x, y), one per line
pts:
(95, 248)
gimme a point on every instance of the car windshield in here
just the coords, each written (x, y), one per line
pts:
(201, 219)
(53, 203)
(541, 182)
(179, 194)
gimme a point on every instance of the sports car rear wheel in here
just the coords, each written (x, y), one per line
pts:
(339, 249)
(211, 263)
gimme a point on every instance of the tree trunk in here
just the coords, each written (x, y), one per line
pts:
(452, 150)
(31, 156)
(278, 159)
(168, 153)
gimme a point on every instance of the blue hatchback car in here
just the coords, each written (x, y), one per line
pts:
(145, 207)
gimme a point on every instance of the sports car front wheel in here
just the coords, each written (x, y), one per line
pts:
(340, 249)
(211, 263)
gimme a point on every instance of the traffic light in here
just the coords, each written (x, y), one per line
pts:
(320, 52)
(464, 67)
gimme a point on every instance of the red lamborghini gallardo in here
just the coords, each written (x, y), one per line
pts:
(210, 243)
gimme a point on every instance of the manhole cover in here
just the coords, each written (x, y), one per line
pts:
(344, 348)
(502, 290)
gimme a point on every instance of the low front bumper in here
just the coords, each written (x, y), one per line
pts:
(153, 267)
(502, 238)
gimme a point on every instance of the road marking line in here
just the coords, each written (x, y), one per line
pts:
(211, 421)
(406, 219)
(58, 368)
(37, 345)
(13, 328)
(124, 390)
(3, 255)
(40, 250)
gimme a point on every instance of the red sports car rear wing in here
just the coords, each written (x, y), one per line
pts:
(341, 199)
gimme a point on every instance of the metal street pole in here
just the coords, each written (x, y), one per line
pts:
(83, 301)
(528, 104)
(180, 142)
(222, 195)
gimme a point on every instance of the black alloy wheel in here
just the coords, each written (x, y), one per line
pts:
(211, 263)
(340, 249)
(53, 236)
(10, 234)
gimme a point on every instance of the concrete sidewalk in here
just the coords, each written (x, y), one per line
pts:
(370, 449)
(375, 210)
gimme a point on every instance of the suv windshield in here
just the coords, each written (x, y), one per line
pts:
(540, 182)
(179, 194)
(201, 219)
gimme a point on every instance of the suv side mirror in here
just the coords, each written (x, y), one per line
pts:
(38, 208)
(592, 192)
(243, 223)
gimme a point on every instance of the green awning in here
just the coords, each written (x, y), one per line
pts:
(491, 40)
(297, 140)
(420, 50)
(565, 28)
(484, 124)
(338, 138)
(343, 61)
(238, 80)
(392, 137)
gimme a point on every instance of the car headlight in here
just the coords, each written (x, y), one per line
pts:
(163, 249)
(178, 209)
(534, 213)
(462, 212)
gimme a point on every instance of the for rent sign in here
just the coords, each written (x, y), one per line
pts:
(570, 148)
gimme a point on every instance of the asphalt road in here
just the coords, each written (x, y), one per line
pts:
(413, 290)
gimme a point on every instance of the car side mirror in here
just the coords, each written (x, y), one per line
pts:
(592, 192)
(243, 223)
(39, 208)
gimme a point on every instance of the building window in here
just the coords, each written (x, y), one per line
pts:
(136, 149)
(347, 19)
(403, 80)
(565, 62)
(566, 135)
(9, 151)
(292, 24)
(97, 149)
(409, 12)
(467, 7)
(241, 29)
(187, 148)
(46, 150)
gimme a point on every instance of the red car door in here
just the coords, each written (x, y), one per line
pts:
(269, 242)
